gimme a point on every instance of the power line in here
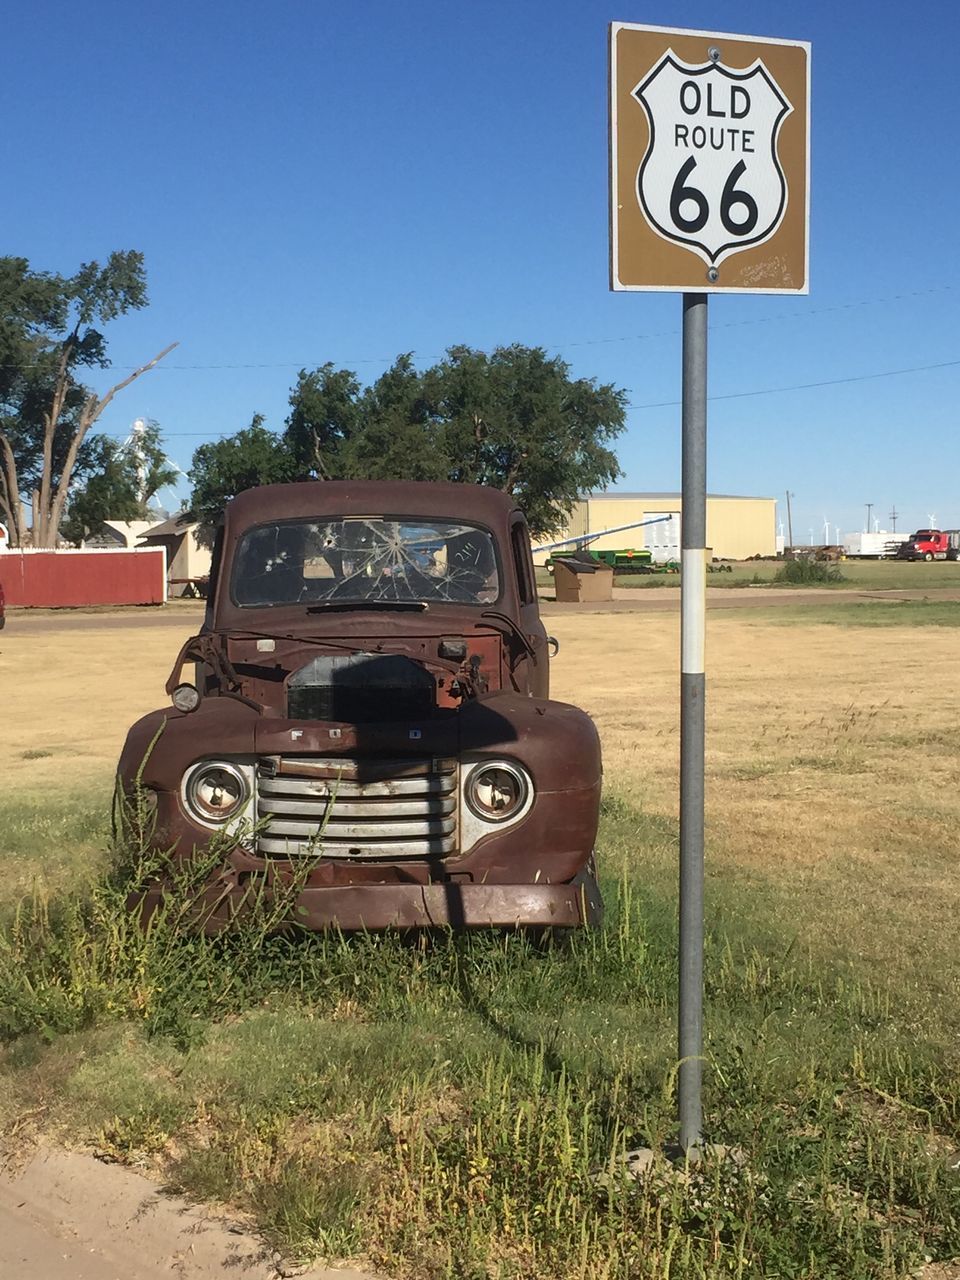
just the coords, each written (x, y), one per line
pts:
(547, 346)
(730, 395)
(806, 386)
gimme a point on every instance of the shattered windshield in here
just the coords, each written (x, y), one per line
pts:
(373, 558)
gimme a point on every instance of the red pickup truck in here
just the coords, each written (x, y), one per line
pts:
(931, 544)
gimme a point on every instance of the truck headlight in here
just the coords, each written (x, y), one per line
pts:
(215, 791)
(497, 790)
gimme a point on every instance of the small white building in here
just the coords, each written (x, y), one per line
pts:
(121, 533)
(188, 561)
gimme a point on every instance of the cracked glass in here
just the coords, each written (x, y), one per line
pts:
(355, 560)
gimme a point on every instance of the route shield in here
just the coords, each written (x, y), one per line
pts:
(709, 162)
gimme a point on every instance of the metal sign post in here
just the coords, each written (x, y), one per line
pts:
(709, 193)
(693, 610)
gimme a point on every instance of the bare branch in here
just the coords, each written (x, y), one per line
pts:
(92, 409)
(102, 403)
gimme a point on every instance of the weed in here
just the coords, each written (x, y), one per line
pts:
(462, 1107)
(805, 571)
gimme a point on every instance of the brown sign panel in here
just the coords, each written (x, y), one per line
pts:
(709, 161)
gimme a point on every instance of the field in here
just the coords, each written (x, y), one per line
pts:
(865, 575)
(460, 1108)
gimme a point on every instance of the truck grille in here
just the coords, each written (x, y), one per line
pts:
(377, 810)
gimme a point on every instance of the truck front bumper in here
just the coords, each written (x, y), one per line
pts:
(376, 907)
(454, 906)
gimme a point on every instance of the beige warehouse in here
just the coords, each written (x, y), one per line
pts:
(737, 527)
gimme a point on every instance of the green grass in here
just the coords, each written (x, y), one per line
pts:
(866, 613)
(56, 837)
(459, 1107)
(872, 575)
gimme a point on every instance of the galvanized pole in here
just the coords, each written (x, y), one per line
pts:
(693, 558)
(789, 522)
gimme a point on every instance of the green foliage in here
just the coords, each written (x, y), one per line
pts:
(224, 468)
(805, 571)
(51, 331)
(121, 484)
(324, 413)
(513, 419)
(397, 435)
(516, 420)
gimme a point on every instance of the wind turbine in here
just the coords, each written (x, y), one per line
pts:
(826, 532)
(133, 446)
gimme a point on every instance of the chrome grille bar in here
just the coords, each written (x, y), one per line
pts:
(376, 810)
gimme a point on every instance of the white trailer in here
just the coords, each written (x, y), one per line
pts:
(873, 546)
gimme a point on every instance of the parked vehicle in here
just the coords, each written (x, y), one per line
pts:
(371, 701)
(931, 544)
(620, 559)
(872, 546)
(626, 560)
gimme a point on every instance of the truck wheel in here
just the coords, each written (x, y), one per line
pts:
(928, 555)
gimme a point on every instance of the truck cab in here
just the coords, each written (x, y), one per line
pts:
(930, 544)
(367, 706)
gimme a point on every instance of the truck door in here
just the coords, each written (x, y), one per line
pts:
(538, 671)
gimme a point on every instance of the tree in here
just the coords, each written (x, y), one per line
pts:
(513, 419)
(398, 436)
(121, 484)
(51, 331)
(324, 413)
(224, 468)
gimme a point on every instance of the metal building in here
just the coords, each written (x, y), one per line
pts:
(737, 527)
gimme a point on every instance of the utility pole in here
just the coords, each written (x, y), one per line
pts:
(869, 509)
(893, 518)
(789, 520)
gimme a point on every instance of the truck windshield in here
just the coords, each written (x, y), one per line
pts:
(357, 559)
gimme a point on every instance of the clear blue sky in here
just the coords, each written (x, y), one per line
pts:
(336, 180)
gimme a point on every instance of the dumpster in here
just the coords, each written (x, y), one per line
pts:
(582, 581)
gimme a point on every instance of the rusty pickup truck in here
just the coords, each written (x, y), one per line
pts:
(368, 698)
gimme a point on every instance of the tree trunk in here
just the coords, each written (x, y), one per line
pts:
(49, 505)
(10, 493)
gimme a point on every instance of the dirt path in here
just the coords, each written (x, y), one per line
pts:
(67, 1216)
(188, 616)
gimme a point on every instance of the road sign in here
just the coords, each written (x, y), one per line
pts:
(709, 161)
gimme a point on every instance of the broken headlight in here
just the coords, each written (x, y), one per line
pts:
(497, 790)
(215, 791)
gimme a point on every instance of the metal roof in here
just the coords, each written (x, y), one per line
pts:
(172, 528)
(335, 498)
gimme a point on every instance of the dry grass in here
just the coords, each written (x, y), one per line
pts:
(71, 692)
(833, 763)
(832, 751)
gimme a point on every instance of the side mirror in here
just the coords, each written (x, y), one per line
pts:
(554, 645)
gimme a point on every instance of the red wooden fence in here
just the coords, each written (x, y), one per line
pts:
(49, 579)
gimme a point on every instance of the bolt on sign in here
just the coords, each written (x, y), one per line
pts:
(709, 161)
